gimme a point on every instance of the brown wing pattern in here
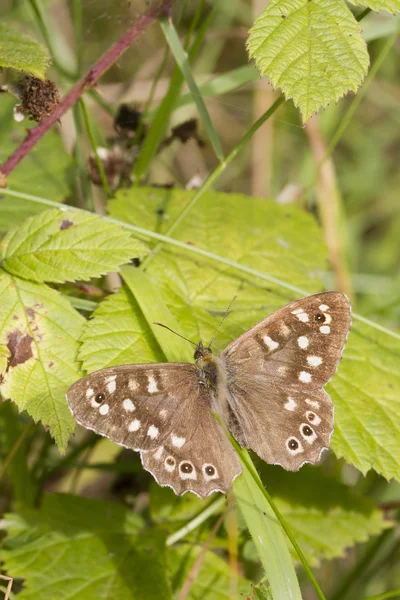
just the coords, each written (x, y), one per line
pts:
(161, 411)
(276, 371)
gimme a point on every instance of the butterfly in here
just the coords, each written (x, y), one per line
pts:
(266, 386)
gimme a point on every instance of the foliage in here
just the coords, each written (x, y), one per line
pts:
(19, 51)
(313, 51)
(179, 257)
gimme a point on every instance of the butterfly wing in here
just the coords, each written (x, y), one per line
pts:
(161, 411)
(275, 374)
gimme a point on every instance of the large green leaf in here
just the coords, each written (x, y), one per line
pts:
(19, 51)
(46, 171)
(59, 245)
(325, 516)
(118, 334)
(366, 394)
(84, 549)
(313, 51)
(392, 6)
(38, 352)
(284, 243)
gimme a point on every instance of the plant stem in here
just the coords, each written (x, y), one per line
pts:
(363, 14)
(212, 178)
(93, 143)
(88, 81)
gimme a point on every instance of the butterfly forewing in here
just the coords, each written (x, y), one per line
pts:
(298, 346)
(275, 374)
(161, 411)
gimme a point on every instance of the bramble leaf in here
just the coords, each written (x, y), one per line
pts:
(21, 52)
(313, 51)
(84, 549)
(391, 6)
(59, 245)
(326, 523)
(39, 332)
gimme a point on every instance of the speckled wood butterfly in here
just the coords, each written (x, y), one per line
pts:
(267, 386)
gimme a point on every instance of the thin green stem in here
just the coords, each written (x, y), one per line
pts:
(195, 250)
(212, 178)
(392, 594)
(99, 164)
(40, 20)
(363, 14)
(211, 509)
(77, 21)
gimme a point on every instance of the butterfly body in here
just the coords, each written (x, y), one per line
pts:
(266, 386)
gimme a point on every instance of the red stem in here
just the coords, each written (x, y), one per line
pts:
(88, 81)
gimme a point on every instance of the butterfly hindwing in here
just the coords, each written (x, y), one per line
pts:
(161, 411)
(284, 427)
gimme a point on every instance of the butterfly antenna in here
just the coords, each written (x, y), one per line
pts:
(228, 310)
(178, 334)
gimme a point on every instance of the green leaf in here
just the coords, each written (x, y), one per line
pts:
(366, 394)
(391, 6)
(118, 334)
(325, 516)
(65, 245)
(19, 51)
(79, 548)
(46, 170)
(267, 536)
(38, 339)
(197, 291)
(313, 51)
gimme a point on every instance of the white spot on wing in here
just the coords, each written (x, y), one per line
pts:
(152, 432)
(272, 345)
(297, 311)
(133, 385)
(314, 361)
(128, 405)
(290, 404)
(104, 409)
(312, 403)
(111, 384)
(305, 377)
(134, 425)
(303, 317)
(325, 329)
(328, 319)
(177, 441)
(303, 342)
(284, 330)
(158, 455)
(89, 393)
(323, 307)
(152, 385)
